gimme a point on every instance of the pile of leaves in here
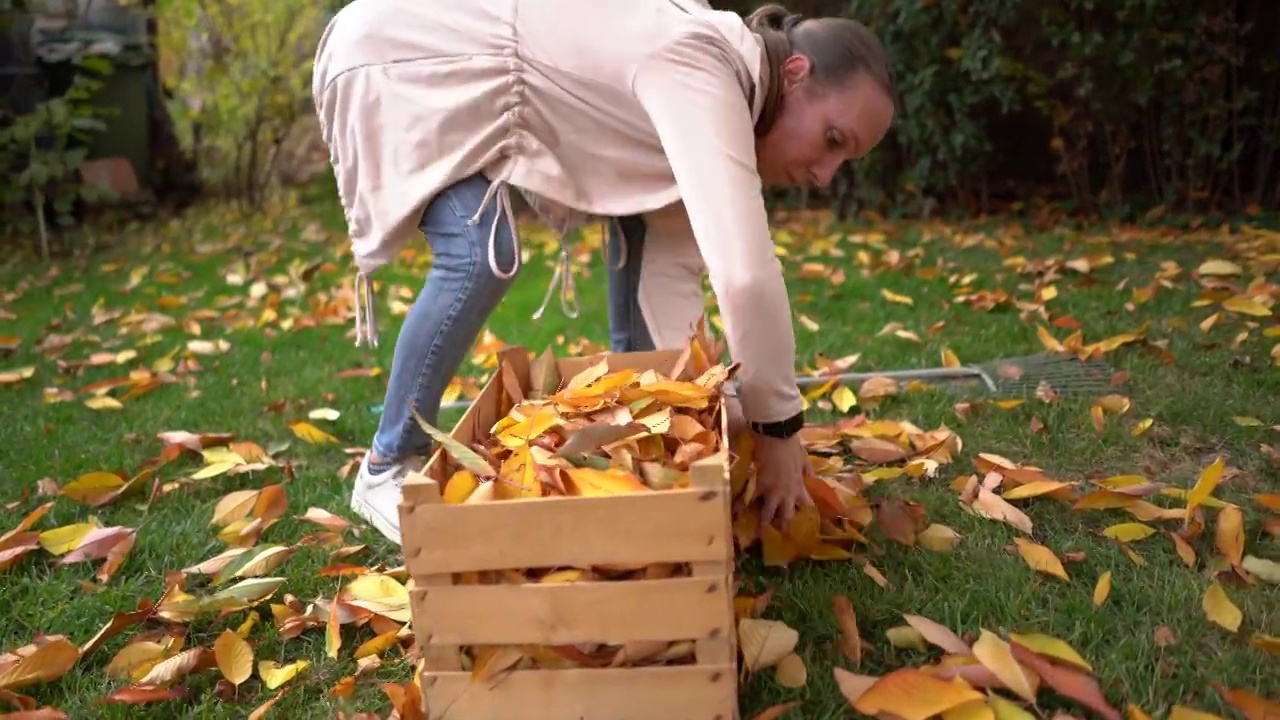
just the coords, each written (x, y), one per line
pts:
(600, 433)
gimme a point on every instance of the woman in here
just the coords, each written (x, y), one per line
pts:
(662, 114)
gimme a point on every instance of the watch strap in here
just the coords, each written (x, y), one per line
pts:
(781, 429)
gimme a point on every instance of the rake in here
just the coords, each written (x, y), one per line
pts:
(1063, 373)
(1015, 377)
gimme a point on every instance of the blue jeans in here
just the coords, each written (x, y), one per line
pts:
(460, 293)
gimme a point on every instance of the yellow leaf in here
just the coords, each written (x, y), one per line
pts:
(949, 358)
(274, 674)
(913, 694)
(525, 431)
(590, 482)
(91, 485)
(1102, 589)
(844, 398)
(12, 376)
(1006, 709)
(972, 710)
(377, 645)
(460, 486)
(1246, 306)
(62, 540)
(996, 655)
(1219, 267)
(1269, 644)
(1182, 712)
(894, 297)
(310, 433)
(938, 538)
(1129, 532)
(1244, 421)
(520, 474)
(1033, 489)
(791, 672)
(234, 657)
(1052, 647)
(1219, 608)
(1049, 342)
(1142, 426)
(103, 402)
(1205, 484)
(1040, 559)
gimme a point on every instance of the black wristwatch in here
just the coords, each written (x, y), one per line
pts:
(781, 429)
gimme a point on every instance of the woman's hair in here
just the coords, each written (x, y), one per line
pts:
(838, 48)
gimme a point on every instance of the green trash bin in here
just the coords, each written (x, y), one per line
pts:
(124, 93)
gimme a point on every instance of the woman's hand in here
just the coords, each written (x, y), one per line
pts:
(781, 469)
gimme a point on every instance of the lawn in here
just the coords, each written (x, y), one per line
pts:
(207, 324)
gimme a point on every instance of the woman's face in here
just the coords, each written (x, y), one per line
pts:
(819, 128)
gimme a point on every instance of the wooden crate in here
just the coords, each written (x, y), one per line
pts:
(689, 525)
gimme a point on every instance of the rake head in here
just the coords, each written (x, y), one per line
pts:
(1060, 373)
(1016, 377)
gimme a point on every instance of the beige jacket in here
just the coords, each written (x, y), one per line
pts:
(590, 107)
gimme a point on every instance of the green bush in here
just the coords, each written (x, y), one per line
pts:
(1107, 105)
(240, 75)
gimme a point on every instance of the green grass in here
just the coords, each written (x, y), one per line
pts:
(272, 375)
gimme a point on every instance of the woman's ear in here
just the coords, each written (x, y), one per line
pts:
(795, 70)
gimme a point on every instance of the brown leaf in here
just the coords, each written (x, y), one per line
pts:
(1067, 681)
(406, 699)
(777, 711)
(142, 693)
(938, 635)
(325, 519)
(1229, 534)
(1251, 706)
(894, 521)
(847, 621)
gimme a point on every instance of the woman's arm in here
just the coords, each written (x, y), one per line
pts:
(692, 94)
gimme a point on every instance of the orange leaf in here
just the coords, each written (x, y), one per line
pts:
(590, 482)
(913, 694)
(847, 621)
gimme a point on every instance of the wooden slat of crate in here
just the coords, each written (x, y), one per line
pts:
(651, 527)
(690, 525)
(578, 612)
(684, 692)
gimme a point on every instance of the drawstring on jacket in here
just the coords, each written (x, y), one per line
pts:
(366, 317)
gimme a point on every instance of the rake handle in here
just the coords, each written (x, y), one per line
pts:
(955, 373)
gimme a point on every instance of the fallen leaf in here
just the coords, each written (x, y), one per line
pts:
(1041, 559)
(764, 643)
(1102, 589)
(997, 656)
(1219, 608)
(1229, 534)
(234, 657)
(912, 694)
(847, 621)
(50, 661)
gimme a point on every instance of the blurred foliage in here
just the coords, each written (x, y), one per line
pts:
(1118, 106)
(239, 72)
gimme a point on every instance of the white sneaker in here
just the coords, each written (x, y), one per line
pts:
(376, 497)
